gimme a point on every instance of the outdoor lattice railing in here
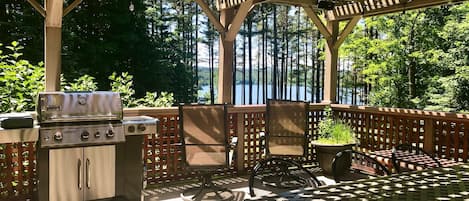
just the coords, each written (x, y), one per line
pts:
(446, 135)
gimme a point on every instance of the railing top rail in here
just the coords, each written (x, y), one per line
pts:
(231, 109)
(403, 112)
(315, 106)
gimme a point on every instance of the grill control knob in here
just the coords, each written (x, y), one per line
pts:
(58, 136)
(141, 127)
(97, 134)
(131, 129)
(110, 133)
(85, 135)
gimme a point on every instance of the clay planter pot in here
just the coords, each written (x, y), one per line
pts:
(327, 152)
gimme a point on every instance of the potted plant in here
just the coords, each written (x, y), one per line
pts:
(334, 136)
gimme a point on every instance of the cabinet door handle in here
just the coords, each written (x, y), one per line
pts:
(79, 175)
(88, 176)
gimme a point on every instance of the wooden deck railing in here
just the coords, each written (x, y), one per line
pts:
(446, 135)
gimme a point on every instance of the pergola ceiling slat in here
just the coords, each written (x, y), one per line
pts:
(347, 9)
(373, 8)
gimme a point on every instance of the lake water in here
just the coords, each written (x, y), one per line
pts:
(258, 95)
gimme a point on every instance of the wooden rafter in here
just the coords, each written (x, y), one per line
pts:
(317, 21)
(347, 9)
(38, 7)
(292, 2)
(211, 16)
(227, 4)
(70, 7)
(346, 31)
(238, 20)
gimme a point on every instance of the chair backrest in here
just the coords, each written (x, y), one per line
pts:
(351, 165)
(287, 127)
(203, 128)
(405, 156)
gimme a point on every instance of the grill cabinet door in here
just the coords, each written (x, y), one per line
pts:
(66, 174)
(99, 172)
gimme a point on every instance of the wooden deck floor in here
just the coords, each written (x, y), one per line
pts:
(238, 185)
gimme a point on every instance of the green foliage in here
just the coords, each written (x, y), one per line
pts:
(416, 59)
(101, 37)
(83, 83)
(334, 131)
(20, 81)
(124, 85)
(152, 100)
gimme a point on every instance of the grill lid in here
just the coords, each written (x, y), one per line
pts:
(53, 107)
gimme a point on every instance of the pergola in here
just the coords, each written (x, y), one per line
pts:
(227, 20)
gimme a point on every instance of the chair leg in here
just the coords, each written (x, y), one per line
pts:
(284, 173)
(254, 171)
(207, 186)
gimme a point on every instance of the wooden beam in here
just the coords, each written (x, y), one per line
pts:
(225, 63)
(211, 16)
(347, 30)
(372, 8)
(238, 20)
(38, 7)
(319, 24)
(70, 7)
(226, 4)
(292, 2)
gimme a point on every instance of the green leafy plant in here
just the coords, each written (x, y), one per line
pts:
(334, 131)
(20, 81)
(123, 84)
(153, 100)
(83, 83)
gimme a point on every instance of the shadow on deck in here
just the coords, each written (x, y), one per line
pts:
(238, 185)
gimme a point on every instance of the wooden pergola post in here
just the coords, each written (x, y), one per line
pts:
(225, 62)
(330, 64)
(228, 25)
(53, 43)
(53, 38)
(334, 39)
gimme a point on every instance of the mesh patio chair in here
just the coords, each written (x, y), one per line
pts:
(406, 157)
(286, 137)
(349, 165)
(205, 146)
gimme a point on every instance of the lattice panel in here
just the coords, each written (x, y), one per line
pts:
(381, 131)
(163, 156)
(451, 140)
(233, 130)
(17, 171)
(253, 124)
(315, 116)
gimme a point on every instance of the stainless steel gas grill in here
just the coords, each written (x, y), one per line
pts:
(83, 151)
(79, 119)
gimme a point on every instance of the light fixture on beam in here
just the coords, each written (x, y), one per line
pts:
(131, 7)
(326, 4)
